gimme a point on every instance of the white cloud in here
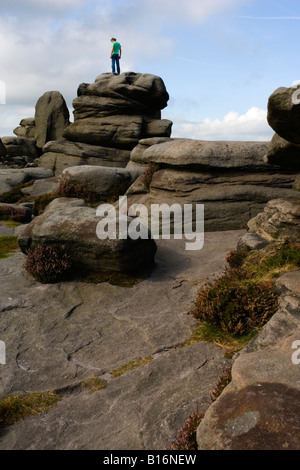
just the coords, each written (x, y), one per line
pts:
(38, 7)
(58, 44)
(11, 117)
(234, 126)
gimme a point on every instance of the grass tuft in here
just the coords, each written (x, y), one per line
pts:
(130, 366)
(17, 407)
(94, 384)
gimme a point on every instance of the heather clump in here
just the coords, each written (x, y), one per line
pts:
(236, 304)
(48, 263)
(223, 381)
(66, 189)
(186, 437)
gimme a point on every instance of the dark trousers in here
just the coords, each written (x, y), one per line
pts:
(115, 62)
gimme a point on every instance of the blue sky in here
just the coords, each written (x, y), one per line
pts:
(220, 59)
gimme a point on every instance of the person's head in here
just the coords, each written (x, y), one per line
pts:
(113, 40)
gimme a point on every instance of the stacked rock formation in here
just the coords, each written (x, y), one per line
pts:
(231, 179)
(18, 151)
(281, 216)
(50, 120)
(284, 118)
(26, 128)
(264, 390)
(110, 117)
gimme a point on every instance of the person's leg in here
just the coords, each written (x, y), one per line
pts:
(113, 63)
(118, 64)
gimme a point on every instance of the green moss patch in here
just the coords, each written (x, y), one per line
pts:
(8, 245)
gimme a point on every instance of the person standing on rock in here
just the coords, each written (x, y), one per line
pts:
(115, 56)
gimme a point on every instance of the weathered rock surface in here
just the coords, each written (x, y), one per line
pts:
(26, 128)
(258, 410)
(110, 117)
(20, 146)
(2, 149)
(85, 329)
(71, 223)
(18, 212)
(137, 93)
(284, 113)
(297, 184)
(229, 178)
(51, 117)
(42, 186)
(59, 155)
(283, 153)
(115, 131)
(104, 181)
(199, 154)
(280, 219)
(284, 118)
(117, 111)
(13, 177)
(252, 241)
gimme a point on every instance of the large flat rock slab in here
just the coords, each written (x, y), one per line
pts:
(58, 335)
(203, 154)
(140, 410)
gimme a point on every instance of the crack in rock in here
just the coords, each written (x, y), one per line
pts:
(69, 355)
(72, 310)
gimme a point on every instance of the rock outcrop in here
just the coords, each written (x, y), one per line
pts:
(51, 117)
(110, 117)
(107, 182)
(71, 223)
(19, 213)
(10, 177)
(279, 220)
(26, 128)
(284, 113)
(231, 179)
(61, 154)
(19, 150)
(258, 410)
(283, 153)
(284, 118)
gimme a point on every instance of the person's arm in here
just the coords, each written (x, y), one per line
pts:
(120, 53)
(112, 50)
